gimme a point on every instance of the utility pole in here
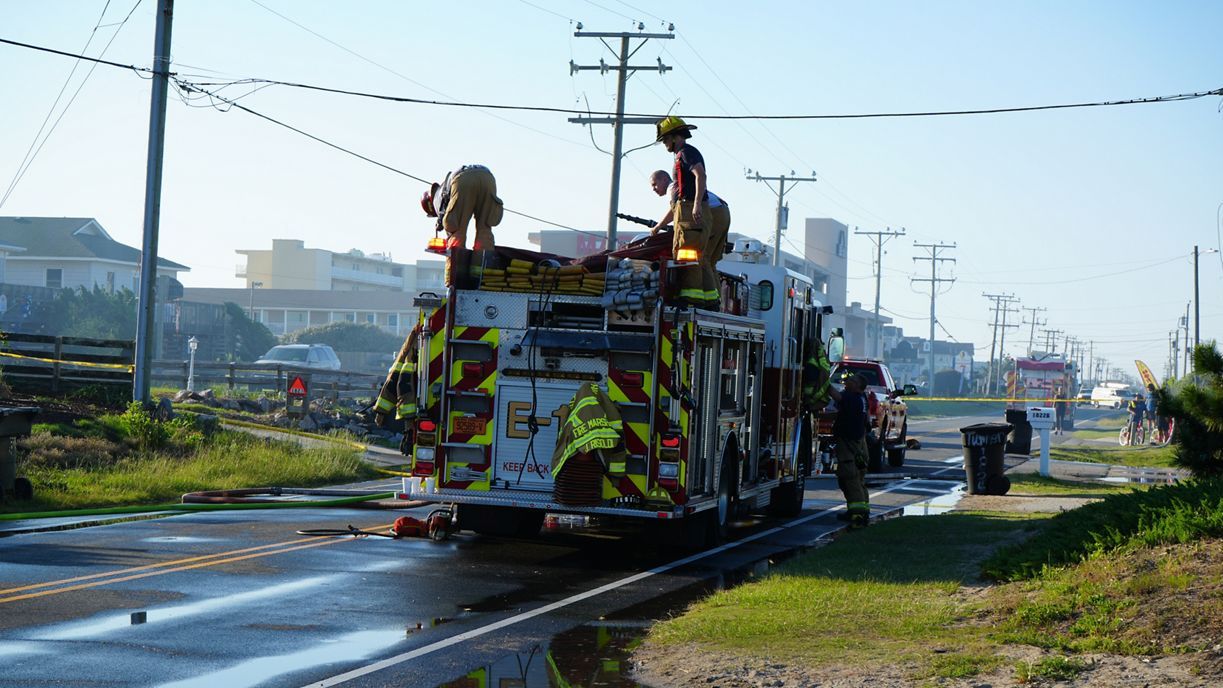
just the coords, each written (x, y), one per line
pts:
(782, 208)
(1188, 349)
(147, 310)
(1000, 308)
(619, 120)
(934, 281)
(879, 238)
(1091, 350)
(1050, 340)
(1033, 323)
(1006, 308)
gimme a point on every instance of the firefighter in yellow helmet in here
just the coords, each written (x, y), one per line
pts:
(698, 285)
(467, 193)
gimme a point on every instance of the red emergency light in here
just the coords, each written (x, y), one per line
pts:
(426, 425)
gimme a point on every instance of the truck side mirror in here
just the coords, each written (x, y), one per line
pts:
(836, 348)
(909, 390)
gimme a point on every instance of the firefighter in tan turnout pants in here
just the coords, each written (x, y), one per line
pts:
(468, 193)
(698, 284)
(849, 431)
(719, 220)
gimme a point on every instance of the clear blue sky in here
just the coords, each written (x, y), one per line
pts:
(1090, 213)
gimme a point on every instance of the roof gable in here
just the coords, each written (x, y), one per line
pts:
(69, 237)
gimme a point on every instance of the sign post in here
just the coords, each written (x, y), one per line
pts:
(297, 395)
(1041, 418)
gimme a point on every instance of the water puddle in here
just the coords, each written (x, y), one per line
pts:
(596, 654)
(936, 505)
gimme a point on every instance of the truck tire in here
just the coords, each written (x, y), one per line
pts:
(500, 521)
(874, 455)
(787, 498)
(896, 453)
(719, 516)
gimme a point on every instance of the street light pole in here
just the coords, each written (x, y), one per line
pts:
(192, 345)
(251, 309)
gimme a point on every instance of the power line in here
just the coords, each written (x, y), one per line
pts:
(405, 77)
(28, 160)
(570, 111)
(879, 238)
(934, 280)
(783, 211)
(189, 87)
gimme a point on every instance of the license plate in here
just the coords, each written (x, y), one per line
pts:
(470, 426)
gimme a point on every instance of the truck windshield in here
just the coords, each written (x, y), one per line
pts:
(289, 355)
(871, 375)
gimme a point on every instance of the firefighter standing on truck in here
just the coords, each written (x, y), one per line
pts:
(719, 217)
(849, 432)
(691, 215)
(468, 193)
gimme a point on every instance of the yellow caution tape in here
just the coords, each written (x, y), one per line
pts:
(84, 364)
(1012, 401)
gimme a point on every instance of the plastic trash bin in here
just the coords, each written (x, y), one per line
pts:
(1020, 439)
(984, 468)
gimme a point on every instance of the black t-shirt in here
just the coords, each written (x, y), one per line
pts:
(685, 159)
(851, 416)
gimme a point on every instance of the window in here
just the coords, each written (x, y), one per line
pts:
(392, 320)
(55, 278)
(764, 295)
(371, 319)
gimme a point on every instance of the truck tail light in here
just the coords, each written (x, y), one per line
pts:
(668, 476)
(631, 380)
(424, 456)
(473, 369)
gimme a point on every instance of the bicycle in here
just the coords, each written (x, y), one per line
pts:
(1165, 428)
(1132, 434)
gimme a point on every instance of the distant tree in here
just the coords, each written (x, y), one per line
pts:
(251, 339)
(94, 313)
(345, 336)
(1198, 410)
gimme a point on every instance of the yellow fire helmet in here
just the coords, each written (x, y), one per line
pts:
(673, 124)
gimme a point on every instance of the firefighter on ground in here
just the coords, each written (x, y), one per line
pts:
(849, 433)
(719, 218)
(691, 216)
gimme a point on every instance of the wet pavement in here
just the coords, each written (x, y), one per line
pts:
(238, 599)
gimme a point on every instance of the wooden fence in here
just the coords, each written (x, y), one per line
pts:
(44, 364)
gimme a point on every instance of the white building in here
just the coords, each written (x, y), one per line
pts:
(290, 265)
(70, 252)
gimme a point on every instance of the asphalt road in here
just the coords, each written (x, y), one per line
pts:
(239, 599)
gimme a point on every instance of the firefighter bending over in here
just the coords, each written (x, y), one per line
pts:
(719, 220)
(467, 193)
(697, 285)
(849, 433)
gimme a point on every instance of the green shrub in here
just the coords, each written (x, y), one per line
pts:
(1198, 410)
(139, 425)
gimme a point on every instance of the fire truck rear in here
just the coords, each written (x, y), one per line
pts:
(710, 419)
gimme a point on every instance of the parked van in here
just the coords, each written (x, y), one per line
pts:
(1110, 395)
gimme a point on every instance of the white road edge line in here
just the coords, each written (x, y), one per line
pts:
(510, 621)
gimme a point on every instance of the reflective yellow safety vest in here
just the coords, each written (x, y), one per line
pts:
(398, 392)
(593, 425)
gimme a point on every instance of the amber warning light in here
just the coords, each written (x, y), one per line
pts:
(686, 254)
(436, 245)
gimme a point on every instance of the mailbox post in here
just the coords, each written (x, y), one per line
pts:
(1041, 418)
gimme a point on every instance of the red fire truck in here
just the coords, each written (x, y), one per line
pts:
(709, 402)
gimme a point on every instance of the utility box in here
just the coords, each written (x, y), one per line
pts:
(297, 395)
(14, 423)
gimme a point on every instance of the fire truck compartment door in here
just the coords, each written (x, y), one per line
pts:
(513, 463)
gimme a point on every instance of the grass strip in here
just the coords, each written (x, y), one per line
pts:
(1137, 457)
(224, 460)
(886, 594)
(1178, 513)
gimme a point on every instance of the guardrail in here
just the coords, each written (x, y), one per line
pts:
(52, 364)
(266, 377)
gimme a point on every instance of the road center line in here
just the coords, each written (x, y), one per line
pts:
(163, 571)
(160, 564)
(560, 604)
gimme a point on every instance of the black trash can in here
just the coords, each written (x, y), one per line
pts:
(984, 468)
(1020, 439)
